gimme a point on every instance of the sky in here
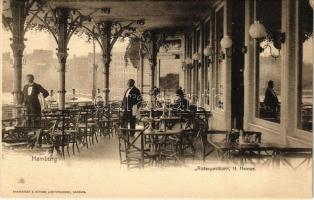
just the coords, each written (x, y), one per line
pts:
(43, 40)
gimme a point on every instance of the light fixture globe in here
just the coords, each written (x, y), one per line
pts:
(208, 51)
(226, 42)
(196, 56)
(257, 30)
(188, 61)
(312, 3)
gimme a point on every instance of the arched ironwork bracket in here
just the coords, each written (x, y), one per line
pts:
(71, 18)
(100, 31)
(150, 43)
(27, 7)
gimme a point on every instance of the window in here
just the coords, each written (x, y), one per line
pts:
(206, 62)
(219, 72)
(189, 74)
(268, 68)
(198, 75)
(305, 66)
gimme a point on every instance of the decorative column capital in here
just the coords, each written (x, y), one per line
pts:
(17, 49)
(146, 37)
(106, 60)
(62, 56)
(106, 90)
(152, 63)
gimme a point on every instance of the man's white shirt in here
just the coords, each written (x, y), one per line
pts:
(29, 90)
(134, 108)
(128, 92)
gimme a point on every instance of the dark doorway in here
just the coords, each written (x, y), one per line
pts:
(238, 29)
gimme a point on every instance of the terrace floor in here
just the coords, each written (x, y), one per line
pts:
(105, 150)
(97, 172)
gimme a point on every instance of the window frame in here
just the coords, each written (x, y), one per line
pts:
(273, 126)
(217, 63)
(207, 40)
(300, 133)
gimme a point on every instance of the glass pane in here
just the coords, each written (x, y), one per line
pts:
(269, 82)
(306, 69)
(199, 73)
(268, 76)
(207, 79)
(189, 55)
(169, 74)
(219, 67)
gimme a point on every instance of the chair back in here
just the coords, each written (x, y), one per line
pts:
(247, 136)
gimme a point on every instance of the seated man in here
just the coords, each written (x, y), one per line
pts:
(271, 101)
(181, 103)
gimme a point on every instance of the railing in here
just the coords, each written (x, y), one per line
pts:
(7, 111)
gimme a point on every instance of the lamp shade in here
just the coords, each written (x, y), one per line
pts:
(208, 51)
(188, 61)
(312, 3)
(196, 56)
(226, 42)
(257, 30)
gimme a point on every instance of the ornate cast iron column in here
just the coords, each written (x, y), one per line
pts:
(141, 53)
(62, 15)
(17, 45)
(62, 23)
(106, 33)
(18, 24)
(153, 63)
(105, 39)
(151, 44)
(94, 90)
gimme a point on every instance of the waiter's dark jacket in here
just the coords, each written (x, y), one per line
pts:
(31, 100)
(134, 98)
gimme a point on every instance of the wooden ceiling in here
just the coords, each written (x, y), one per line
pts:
(158, 14)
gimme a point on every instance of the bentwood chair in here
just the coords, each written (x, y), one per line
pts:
(132, 149)
(294, 158)
(72, 134)
(87, 127)
(105, 121)
(63, 133)
(194, 140)
(115, 108)
(170, 150)
(46, 138)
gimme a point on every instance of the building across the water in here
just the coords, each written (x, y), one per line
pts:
(79, 69)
